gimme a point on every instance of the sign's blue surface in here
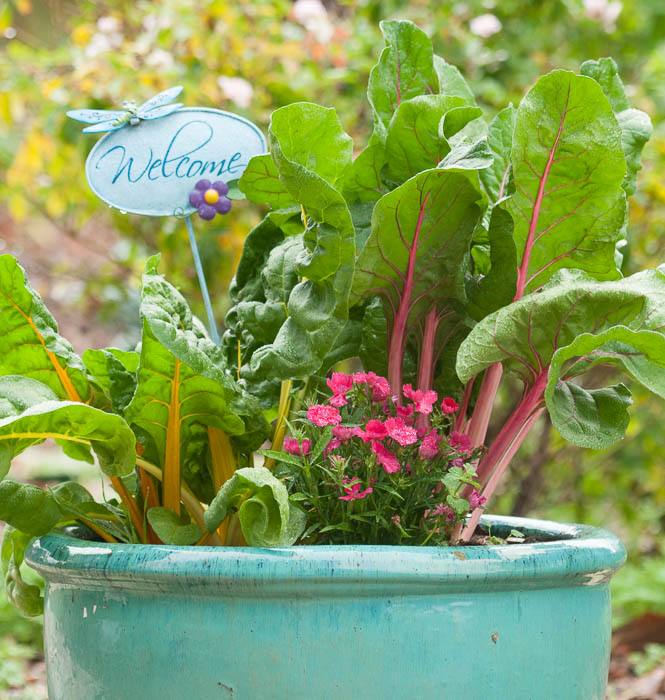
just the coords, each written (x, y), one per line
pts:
(151, 168)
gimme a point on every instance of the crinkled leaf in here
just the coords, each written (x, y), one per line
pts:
(35, 511)
(18, 393)
(317, 304)
(24, 596)
(107, 434)
(404, 70)
(173, 529)
(635, 125)
(262, 503)
(261, 184)
(606, 73)
(115, 371)
(496, 178)
(568, 166)
(636, 130)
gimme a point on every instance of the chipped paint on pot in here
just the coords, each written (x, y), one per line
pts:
(508, 622)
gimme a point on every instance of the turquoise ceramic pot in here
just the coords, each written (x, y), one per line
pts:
(509, 622)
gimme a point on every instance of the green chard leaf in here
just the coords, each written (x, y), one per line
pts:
(448, 80)
(414, 141)
(421, 233)
(107, 434)
(550, 338)
(635, 125)
(405, 70)
(261, 184)
(313, 157)
(36, 512)
(568, 167)
(497, 179)
(30, 344)
(180, 383)
(415, 257)
(262, 503)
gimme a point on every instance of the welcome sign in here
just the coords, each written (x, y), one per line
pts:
(151, 167)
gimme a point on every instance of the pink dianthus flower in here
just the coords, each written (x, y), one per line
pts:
(293, 447)
(476, 500)
(461, 441)
(429, 448)
(323, 415)
(400, 431)
(449, 405)
(379, 385)
(374, 430)
(332, 445)
(343, 434)
(385, 458)
(423, 400)
(353, 491)
(339, 384)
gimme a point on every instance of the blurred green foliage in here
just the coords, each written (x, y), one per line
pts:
(253, 57)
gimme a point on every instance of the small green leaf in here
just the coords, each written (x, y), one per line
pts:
(263, 507)
(26, 597)
(594, 418)
(173, 529)
(282, 457)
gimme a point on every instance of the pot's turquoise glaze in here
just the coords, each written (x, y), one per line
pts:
(509, 622)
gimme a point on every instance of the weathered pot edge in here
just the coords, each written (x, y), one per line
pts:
(583, 556)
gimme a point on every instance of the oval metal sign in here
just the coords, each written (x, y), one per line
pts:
(151, 167)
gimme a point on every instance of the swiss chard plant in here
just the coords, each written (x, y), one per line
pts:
(447, 257)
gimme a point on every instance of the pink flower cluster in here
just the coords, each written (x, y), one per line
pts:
(398, 428)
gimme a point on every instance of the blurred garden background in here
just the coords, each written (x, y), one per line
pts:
(250, 58)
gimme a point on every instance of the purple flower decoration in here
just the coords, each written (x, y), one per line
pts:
(210, 199)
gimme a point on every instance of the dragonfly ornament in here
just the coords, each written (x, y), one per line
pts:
(111, 120)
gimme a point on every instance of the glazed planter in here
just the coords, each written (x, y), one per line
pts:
(508, 622)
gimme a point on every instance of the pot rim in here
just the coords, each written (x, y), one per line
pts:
(573, 555)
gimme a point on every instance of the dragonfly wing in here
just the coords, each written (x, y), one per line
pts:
(94, 116)
(163, 98)
(104, 126)
(160, 111)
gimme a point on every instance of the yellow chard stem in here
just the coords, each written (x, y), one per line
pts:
(171, 478)
(223, 466)
(194, 507)
(280, 427)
